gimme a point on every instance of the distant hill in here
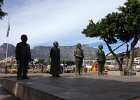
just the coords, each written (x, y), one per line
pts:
(66, 52)
(136, 53)
(11, 50)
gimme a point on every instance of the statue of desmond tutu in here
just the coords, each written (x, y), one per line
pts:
(101, 59)
(79, 55)
(23, 56)
(55, 69)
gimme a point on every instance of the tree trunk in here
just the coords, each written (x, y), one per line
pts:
(135, 41)
(115, 56)
(131, 58)
(126, 61)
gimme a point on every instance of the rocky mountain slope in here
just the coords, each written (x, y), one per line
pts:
(66, 52)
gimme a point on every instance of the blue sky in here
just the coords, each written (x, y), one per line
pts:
(46, 21)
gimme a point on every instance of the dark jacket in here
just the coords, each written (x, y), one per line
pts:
(23, 52)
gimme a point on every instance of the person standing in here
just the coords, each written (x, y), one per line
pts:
(79, 55)
(23, 56)
(55, 69)
(101, 59)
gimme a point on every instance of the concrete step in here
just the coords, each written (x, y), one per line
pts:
(30, 90)
(84, 87)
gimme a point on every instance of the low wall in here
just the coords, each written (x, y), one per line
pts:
(29, 91)
(138, 74)
(116, 73)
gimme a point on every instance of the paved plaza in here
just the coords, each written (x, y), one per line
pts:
(88, 86)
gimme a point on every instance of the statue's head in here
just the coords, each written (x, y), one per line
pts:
(100, 46)
(78, 45)
(24, 38)
(55, 44)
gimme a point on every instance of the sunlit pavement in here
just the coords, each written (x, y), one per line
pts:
(88, 86)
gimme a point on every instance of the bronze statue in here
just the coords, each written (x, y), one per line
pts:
(101, 59)
(55, 69)
(23, 56)
(79, 55)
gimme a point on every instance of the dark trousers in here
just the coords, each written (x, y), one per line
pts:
(22, 69)
(100, 67)
(78, 67)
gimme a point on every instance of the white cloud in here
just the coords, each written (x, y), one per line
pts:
(45, 21)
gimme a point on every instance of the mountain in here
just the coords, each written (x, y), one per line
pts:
(137, 52)
(40, 52)
(66, 52)
(11, 50)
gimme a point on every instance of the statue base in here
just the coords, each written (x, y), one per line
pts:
(138, 74)
(120, 73)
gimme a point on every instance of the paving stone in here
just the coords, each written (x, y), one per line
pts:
(89, 86)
